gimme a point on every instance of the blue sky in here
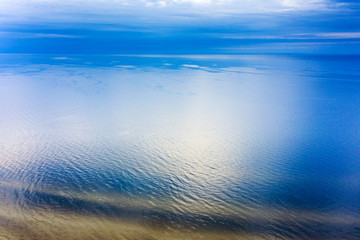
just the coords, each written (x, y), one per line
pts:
(180, 26)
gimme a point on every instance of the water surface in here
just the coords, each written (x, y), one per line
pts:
(179, 147)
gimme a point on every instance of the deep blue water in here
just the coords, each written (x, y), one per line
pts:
(266, 145)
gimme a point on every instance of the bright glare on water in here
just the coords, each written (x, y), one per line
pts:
(179, 147)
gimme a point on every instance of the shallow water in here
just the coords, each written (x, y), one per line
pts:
(179, 147)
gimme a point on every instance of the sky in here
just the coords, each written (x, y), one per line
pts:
(180, 26)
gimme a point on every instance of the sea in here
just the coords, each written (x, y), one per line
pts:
(240, 146)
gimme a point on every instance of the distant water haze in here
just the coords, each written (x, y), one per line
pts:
(179, 147)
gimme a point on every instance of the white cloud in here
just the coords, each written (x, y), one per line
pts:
(209, 6)
(146, 12)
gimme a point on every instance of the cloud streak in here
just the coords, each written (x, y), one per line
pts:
(36, 35)
(175, 6)
(176, 26)
(299, 36)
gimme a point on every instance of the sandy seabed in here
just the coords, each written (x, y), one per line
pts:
(43, 225)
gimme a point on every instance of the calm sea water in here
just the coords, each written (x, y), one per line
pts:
(179, 147)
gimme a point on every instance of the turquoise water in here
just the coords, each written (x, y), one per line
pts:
(262, 146)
